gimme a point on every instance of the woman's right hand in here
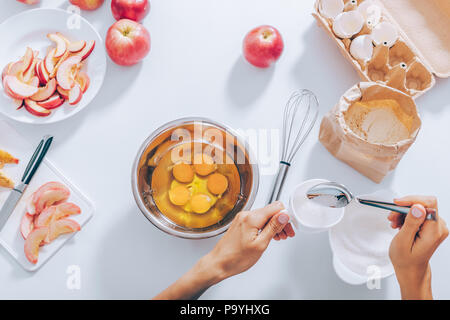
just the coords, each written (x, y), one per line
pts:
(415, 243)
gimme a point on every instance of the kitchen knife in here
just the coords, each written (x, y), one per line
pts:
(31, 169)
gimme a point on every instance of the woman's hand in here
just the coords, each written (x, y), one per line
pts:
(239, 249)
(248, 237)
(415, 243)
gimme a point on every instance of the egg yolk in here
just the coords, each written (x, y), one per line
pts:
(204, 164)
(217, 183)
(200, 203)
(183, 172)
(179, 195)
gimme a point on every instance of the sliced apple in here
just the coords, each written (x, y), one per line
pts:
(5, 71)
(61, 45)
(56, 212)
(15, 69)
(59, 34)
(87, 50)
(19, 89)
(50, 61)
(42, 73)
(83, 80)
(18, 103)
(77, 46)
(35, 109)
(34, 81)
(46, 92)
(33, 242)
(63, 75)
(75, 95)
(27, 60)
(45, 217)
(47, 195)
(62, 226)
(53, 102)
(26, 225)
(64, 93)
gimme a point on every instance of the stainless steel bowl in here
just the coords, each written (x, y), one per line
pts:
(247, 167)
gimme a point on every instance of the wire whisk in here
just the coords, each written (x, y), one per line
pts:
(300, 115)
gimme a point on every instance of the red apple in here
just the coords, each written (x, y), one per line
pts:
(29, 1)
(127, 42)
(263, 46)
(87, 4)
(130, 9)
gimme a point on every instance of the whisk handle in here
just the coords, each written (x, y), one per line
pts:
(279, 182)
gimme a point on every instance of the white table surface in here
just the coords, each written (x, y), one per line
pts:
(195, 68)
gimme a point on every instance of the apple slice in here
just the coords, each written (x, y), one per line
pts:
(5, 71)
(27, 76)
(15, 69)
(27, 60)
(61, 45)
(35, 109)
(46, 92)
(75, 95)
(19, 89)
(47, 195)
(77, 46)
(63, 75)
(42, 73)
(34, 81)
(33, 242)
(64, 93)
(50, 61)
(18, 103)
(26, 225)
(53, 102)
(56, 212)
(87, 50)
(83, 80)
(62, 226)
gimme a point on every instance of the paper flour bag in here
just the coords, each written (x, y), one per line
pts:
(371, 128)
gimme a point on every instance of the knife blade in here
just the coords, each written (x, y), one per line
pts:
(17, 192)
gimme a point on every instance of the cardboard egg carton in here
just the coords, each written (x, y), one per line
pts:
(421, 51)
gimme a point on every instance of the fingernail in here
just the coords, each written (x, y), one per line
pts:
(283, 218)
(416, 212)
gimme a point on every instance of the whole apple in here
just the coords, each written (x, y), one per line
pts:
(130, 9)
(30, 1)
(127, 42)
(263, 46)
(87, 4)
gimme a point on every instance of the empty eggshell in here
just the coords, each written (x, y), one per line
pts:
(362, 48)
(347, 24)
(371, 12)
(385, 33)
(331, 8)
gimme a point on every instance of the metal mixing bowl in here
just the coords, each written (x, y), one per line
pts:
(141, 174)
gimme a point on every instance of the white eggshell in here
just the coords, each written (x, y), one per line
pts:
(362, 48)
(347, 24)
(385, 33)
(331, 8)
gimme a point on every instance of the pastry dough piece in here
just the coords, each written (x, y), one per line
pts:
(5, 157)
(5, 181)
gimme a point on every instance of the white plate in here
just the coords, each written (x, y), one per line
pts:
(10, 237)
(360, 262)
(30, 29)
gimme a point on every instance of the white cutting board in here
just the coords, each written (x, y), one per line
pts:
(10, 237)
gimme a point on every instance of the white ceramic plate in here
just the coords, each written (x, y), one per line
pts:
(10, 237)
(30, 29)
(351, 263)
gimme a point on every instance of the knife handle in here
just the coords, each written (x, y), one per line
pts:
(36, 159)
